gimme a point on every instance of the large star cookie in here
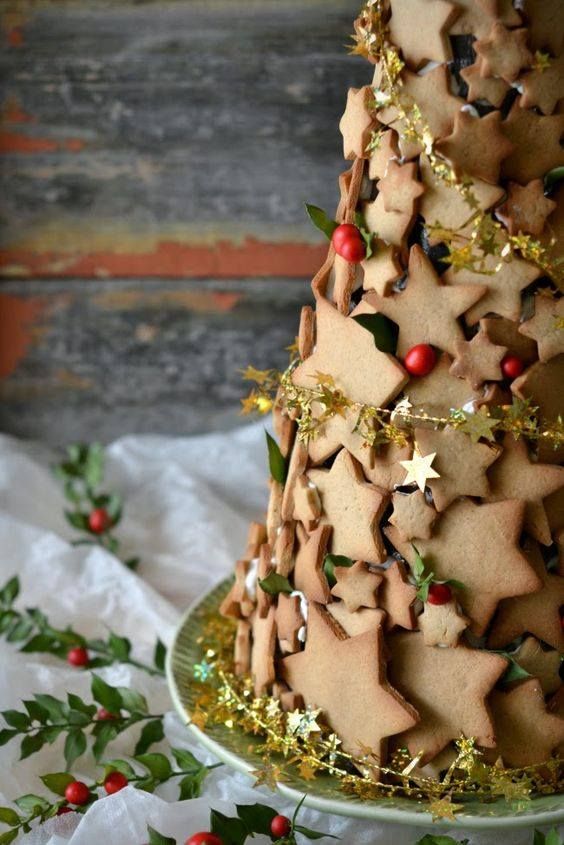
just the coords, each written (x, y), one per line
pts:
(437, 15)
(477, 146)
(526, 208)
(536, 144)
(479, 546)
(439, 392)
(309, 577)
(331, 664)
(537, 384)
(353, 507)
(448, 686)
(546, 326)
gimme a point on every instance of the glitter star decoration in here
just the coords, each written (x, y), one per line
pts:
(303, 723)
(202, 671)
(419, 469)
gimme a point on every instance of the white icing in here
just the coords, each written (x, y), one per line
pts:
(518, 86)
(471, 110)
(302, 633)
(251, 579)
(427, 68)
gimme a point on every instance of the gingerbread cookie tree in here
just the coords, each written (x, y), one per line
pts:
(410, 553)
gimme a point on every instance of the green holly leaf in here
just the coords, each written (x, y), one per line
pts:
(133, 701)
(77, 520)
(36, 712)
(552, 178)
(191, 785)
(366, 235)
(114, 506)
(6, 735)
(103, 732)
(76, 703)
(159, 655)
(313, 834)
(418, 567)
(94, 464)
(384, 332)
(9, 816)
(9, 836)
(232, 831)
(432, 839)
(514, 671)
(156, 838)
(120, 647)
(119, 766)
(56, 710)
(31, 744)
(57, 782)
(41, 643)
(157, 764)
(132, 563)
(553, 838)
(20, 631)
(257, 818)
(15, 719)
(186, 760)
(75, 746)
(152, 732)
(109, 697)
(9, 592)
(276, 461)
(321, 220)
(329, 564)
(31, 803)
(274, 584)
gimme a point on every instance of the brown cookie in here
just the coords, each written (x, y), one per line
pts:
(353, 507)
(479, 546)
(264, 645)
(477, 146)
(542, 663)
(492, 89)
(391, 227)
(537, 384)
(442, 624)
(306, 334)
(546, 326)
(536, 144)
(504, 52)
(478, 360)
(274, 512)
(382, 154)
(309, 577)
(356, 586)
(504, 332)
(296, 467)
(284, 548)
(400, 187)
(385, 470)
(412, 515)
(307, 504)
(289, 621)
(335, 432)
(266, 566)
(362, 620)
(545, 24)
(439, 391)
(449, 688)
(543, 87)
(477, 16)
(382, 269)
(239, 601)
(357, 122)
(526, 208)
(429, 41)
(242, 655)
(396, 596)
(256, 536)
(323, 670)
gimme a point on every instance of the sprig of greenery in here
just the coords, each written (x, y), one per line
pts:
(423, 578)
(157, 769)
(550, 838)
(82, 473)
(46, 718)
(277, 463)
(32, 628)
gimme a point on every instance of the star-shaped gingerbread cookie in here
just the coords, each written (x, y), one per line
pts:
(307, 505)
(385, 470)
(526, 208)
(545, 24)
(504, 52)
(239, 602)
(382, 269)
(477, 146)
(516, 476)
(537, 384)
(461, 464)
(357, 122)
(353, 507)
(357, 586)
(478, 360)
(309, 577)
(371, 710)
(439, 392)
(536, 144)
(362, 620)
(504, 332)
(382, 154)
(442, 624)
(543, 87)
(412, 515)
(449, 688)
(542, 663)
(262, 657)
(526, 733)
(400, 187)
(537, 613)
(479, 546)
(477, 16)
(341, 343)
(426, 311)
(389, 226)
(491, 89)
(396, 597)
(438, 15)
(546, 326)
(289, 620)
(335, 432)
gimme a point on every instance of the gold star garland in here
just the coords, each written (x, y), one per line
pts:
(487, 236)
(311, 407)
(301, 743)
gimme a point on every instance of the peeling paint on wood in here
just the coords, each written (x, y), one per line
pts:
(17, 316)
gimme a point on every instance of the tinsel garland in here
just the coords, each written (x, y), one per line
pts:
(301, 743)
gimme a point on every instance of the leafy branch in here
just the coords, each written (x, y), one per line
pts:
(423, 578)
(92, 512)
(115, 710)
(157, 769)
(32, 628)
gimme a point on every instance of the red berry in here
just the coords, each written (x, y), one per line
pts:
(78, 656)
(205, 838)
(342, 233)
(77, 793)
(420, 360)
(280, 826)
(99, 521)
(63, 810)
(352, 249)
(104, 715)
(114, 782)
(512, 366)
(439, 594)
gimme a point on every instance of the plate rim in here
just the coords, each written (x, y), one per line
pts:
(373, 810)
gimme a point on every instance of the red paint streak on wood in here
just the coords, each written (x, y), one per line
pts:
(17, 142)
(16, 330)
(12, 112)
(15, 37)
(176, 261)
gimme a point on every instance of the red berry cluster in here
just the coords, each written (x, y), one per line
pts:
(280, 827)
(348, 243)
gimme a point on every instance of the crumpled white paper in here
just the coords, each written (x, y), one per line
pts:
(187, 505)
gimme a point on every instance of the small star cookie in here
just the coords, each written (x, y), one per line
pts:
(477, 146)
(242, 651)
(381, 156)
(309, 577)
(362, 620)
(546, 326)
(503, 52)
(289, 620)
(396, 597)
(307, 504)
(400, 187)
(357, 586)
(382, 269)
(477, 16)
(357, 122)
(439, 392)
(437, 15)
(412, 515)
(442, 624)
(391, 227)
(264, 646)
(536, 144)
(491, 89)
(478, 360)
(526, 208)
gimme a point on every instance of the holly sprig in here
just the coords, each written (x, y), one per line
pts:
(539, 838)
(113, 711)
(82, 473)
(156, 769)
(422, 577)
(32, 628)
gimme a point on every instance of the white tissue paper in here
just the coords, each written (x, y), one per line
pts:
(187, 505)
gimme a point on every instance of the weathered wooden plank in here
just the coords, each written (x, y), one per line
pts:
(170, 138)
(100, 359)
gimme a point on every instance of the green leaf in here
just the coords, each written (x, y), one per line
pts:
(321, 220)
(274, 584)
(553, 838)
(276, 461)
(104, 733)
(6, 735)
(418, 567)
(15, 719)
(157, 764)
(156, 838)
(432, 839)
(159, 655)
(133, 701)
(257, 818)
(78, 719)
(43, 643)
(9, 816)
(152, 732)
(76, 703)
(114, 507)
(119, 646)
(20, 631)
(36, 712)
(10, 591)
(384, 332)
(552, 178)
(366, 235)
(232, 831)
(119, 766)
(329, 564)
(29, 803)
(453, 583)
(56, 710)
(109, 697)
(94, 465)
(9, 836)
(132, 563)
(31, 744)
(77, 520)
(57, 782)
(186, 760)
(514, 671)
(313, 834)
(191, 785)
(75, 746)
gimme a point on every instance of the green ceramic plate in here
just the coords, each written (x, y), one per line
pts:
(236, 750)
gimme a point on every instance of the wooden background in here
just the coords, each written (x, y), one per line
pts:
(155, 158)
